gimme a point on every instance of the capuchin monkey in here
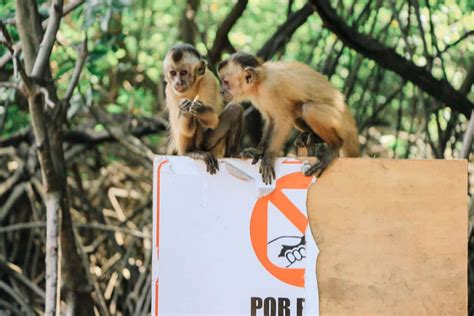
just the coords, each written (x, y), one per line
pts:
(194, 103)
(290, 94)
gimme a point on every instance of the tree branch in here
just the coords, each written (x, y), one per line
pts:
(17, 63)
(456, 42)
(46, 46)
(81, 136)
(224, 29)
(77, 71)
(71, 6)
(389, 59)
(144, 127)
(283, 34)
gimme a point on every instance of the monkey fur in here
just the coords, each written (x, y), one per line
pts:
(290, 94)
(194, 103)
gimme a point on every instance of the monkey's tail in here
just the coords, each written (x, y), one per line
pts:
(350, 147)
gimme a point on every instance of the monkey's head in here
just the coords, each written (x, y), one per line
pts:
(183, 67)
(238, 75)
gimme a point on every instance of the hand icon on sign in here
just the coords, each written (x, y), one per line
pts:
(287, 249)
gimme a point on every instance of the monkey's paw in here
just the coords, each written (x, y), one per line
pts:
(212, 165)
(184, 105)
(316, 170)
(251, 153)
(267, 170)
(196, 108)
(325, 155)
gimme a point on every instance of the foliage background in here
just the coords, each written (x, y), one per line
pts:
(110, 185)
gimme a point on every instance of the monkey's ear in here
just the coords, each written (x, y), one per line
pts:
(202, 67)
(250, 75)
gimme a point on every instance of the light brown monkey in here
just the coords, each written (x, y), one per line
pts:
(194, 102)
(290, 94)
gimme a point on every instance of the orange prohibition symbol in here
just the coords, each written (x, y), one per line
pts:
(259, 225)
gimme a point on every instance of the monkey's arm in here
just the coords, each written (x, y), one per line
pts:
(206, 115)
(276, 139)
(206, 109)
(185, 121)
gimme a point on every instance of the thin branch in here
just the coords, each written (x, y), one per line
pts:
(429, 58)
(11, 85)
(16, 272)
(46, 46)
(78, 136)
(224, 29)
(47, 99)
(71, 6)
(389, 59)
(456, 42)
(93, 226)
(14, 52)
(144, 127)
(18, 298)
(284, 32)
(77, 71)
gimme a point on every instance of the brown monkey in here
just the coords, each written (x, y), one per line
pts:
(193, 101)
(290, 94)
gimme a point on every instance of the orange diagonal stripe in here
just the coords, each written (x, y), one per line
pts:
(287, 208)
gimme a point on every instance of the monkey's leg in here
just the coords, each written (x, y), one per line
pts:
(256, 153)
(228, 130)
(325, 155)
(212, 165)
(276, 140)
(319, 118)
(307, 138)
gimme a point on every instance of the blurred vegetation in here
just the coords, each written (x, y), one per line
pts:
(127, 41)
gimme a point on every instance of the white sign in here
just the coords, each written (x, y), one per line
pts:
(222, 247)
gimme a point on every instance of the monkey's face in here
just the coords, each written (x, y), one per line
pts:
(183, 75)
(181, 78)
(236, 82)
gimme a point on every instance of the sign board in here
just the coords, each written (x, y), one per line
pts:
(392, 236)
(227, 244)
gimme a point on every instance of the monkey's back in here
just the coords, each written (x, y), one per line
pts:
(305, 83)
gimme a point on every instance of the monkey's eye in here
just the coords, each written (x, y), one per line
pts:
(173, 73)
(183, 73)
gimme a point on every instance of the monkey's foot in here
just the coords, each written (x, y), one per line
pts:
(211, 162)
(252, 153)
(325, 155)
(307, 139)
(267, 169)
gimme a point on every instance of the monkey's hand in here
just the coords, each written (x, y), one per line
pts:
(184, 105)
(325, 155)
(252, 153)
(267, 169)
(196, 108)
(212, 165)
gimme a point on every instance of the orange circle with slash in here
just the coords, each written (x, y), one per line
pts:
(259, 225)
